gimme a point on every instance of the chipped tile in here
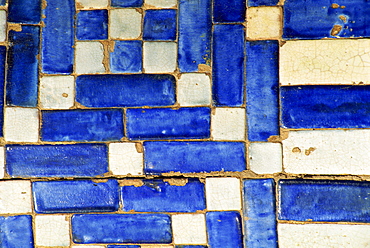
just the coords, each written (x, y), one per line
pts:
(271, 19)
(89, 57)
(125, 158)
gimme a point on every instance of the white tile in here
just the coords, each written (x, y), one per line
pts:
(327, 152)
(21, 124)
(223, 193)
(325, 62)
(160, 56)
(323, 236)
(228, 124)
(194, 89)
(125, 23)
(57, 92)
(264, 22)
(15, 197)
(89, 57)
(2, 25)
(52, 230)
(2, 162)
(265, 158)
(86, 4)
(189, 229)
(124, 159)
(161, 3)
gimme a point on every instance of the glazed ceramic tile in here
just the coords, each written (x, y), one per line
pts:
(265, 158)
(223, 194)
(52, 230)
(228, 124)
(194, 89)
(89, 57)
(189, 229)
(57, 92)
(125, 158)
(21, 124)
(270, 16)
(15, 197)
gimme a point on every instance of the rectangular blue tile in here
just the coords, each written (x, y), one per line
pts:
(125, 90)
(229, 11)
(82, 125)
(195, 26)
(126, 56)
(160, 196)
(325, 106)
(224, 229)
(75, 196)
(24, 11)
(256, 3)
(92, 24)
(160, 123)
(262, 89)
(22, 76)
(57, 52)
(121, 228)
(330, 201)
(160, 25)
(16, 232)
(188, 157)
(228, 71)
(79, 160)
(2, 83)
(259, 213)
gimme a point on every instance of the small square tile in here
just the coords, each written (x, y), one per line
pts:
(223, 193)
(15, 197)
(194, 89)
(92, 3)
(125, 159)
(265, 158)
(57, 92)
(160, 56)
(92, 24)
(189, 229)
(127, 3)
(125, 24)
(52, 230)
(161, 3)
(89, 57)
(160, 25)
(2, 25)
(228, 124)
(126, 57)
(264, 22)
(21, 124)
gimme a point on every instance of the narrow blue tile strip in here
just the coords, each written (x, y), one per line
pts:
(16, 232)
(92, 24)
(325, 106)
(57, 51)
(24, 11)
(229, 11)
(160, 196)
(75, 196)
(183, 123)
(227, 70)
(82, 125)
(2, 83)
(125, 90)
(259, 213)
(192, 157)
(126, 57)
(195, 26)
(127, 3)
(262, 89)
(330, 201)
(22, 77)
(257, 3)
(79, 160)
(121, 228)
(224, 230)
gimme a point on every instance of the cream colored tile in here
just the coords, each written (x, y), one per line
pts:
(161, 3)
(125, 23)
(21, 124)
(189, 229)
(125, 159)
(160, 56)
(228, 124)
(265, 158)
(57, 92)
(52, 230)
(86, 4)
(264, 22)
(2, 25)
(194, 89)
(89, 57)
(223, 193)
(15, 197)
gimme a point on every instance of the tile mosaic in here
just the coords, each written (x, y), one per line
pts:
(126, 56)
(92, 25)
(160, 25)
(16, 231)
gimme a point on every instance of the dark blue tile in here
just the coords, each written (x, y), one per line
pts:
(262, 89)
(188, 157)
(160, 196)
(127, 3)
(229, 11)
(58, 37)
(256, 3)
(126, 56)
(228, 71)
(166, 123)
(313, 19)
(330, 201)
(160, 25)
(195, 26)
(22, 76)
(2, 83)
(82, 125)
(123, 246)
(16, 232)
(75, 196)
(125, 90)
(224, 230)
(259, 213)
(121, 228)
(190, 246)
(325, 106)
(79, 160)
(92, 24)
(24, 11)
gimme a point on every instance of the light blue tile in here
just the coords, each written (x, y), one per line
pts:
(16, 232)
(160, 25)
(92, 24)
(126, 56)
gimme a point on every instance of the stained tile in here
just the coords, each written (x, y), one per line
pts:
(160, 25)
(52, 230)
(126, 3)
(16, 231)
(124, 158)
(89, 57)
(92, 3)
(229, 11)
(124, 24)
(15, 197)
(24, 11)
(92, 25)
(271, 19)
(56, 92)
(126, 57)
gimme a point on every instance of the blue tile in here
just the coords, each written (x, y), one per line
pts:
(224, 230)
(313, 19)
(92, 24)
(2, 2)
(57, 51)
(121, 228)
(166, 123)
(262, 89)
(75, 196)
(195, 26)
(16, 232)
(188, 157)
(24, 11)
(82, 125)
(160, 25)
(259, 213)
(126, 56)
(160, 196)
(330, 201)
(22, 76)
(325, 106)
(229, 11)
(127, 3)
(228, 71)
(190, 246)
(123, 246)
(256, 3)
(125, 90)
(2, 83)
(79, 160)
